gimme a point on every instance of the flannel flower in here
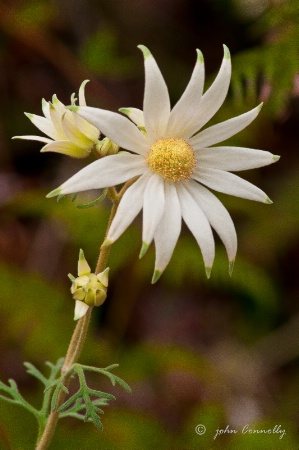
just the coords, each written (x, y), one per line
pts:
(68, 133)
(175, 163)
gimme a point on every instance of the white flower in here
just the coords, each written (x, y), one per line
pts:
(69, 133)
(175, 164)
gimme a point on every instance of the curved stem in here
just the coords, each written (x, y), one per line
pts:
(74, 350)
(79, 334)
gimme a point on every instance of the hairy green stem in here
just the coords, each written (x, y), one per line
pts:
(78, 338)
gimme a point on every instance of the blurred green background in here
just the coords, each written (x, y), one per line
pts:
(218, 352)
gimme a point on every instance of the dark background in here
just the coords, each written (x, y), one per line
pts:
(218, 352)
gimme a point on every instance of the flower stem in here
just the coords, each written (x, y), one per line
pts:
(79, 334)
(77, 340)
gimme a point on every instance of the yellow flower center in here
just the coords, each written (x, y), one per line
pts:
(172, 158)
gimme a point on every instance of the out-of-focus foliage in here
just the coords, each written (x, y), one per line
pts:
(218, 352)
(270, 68)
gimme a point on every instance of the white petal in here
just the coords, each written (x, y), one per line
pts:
(73, 133)
(198, 224)
(233, 158)
(34, 138)
(135, 114)
(214, 96)
(156, 103)
(89, 130)
(223, 130)
(43, 124)
(182, 115)
(105, 172)
(56, 120)
(65, 148)
(58, 106)
(168, 229)
(117, 128)
(46, 109)
(228, 183)
(217, 215)
(129, 207)
(82, 101)
(153, 207)
(80, 309)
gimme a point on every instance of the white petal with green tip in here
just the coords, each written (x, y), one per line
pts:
(229, 183)
(117, 128)
(105, 172)
(217, 216)
(135, 114)
(224, 130)
(156, 103)
(60, 108)
(82, 101)
(233, 158)
(198, 224)
(43, 124)
(213, 98)
(46, 109)
(65, 148)
(182, 115)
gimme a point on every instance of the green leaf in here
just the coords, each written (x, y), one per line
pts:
(84, 404)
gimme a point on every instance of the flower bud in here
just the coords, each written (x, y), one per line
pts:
(88, 289)
(106, 147)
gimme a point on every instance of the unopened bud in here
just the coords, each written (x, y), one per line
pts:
(88, 289)
(106, 147)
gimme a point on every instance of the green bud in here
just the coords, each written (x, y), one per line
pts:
(106, 147)
(88, 288)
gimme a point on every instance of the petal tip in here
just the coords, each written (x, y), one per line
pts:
(276, 158)
(157, 274)
(84, 83)
(125, 111)
(226, 52)
(54, 193)
(144, 248)
(231, 267)
(145, 51)
(29, 115)
(200, 58)
(74, 108)
(208, 271)
(268, 201)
